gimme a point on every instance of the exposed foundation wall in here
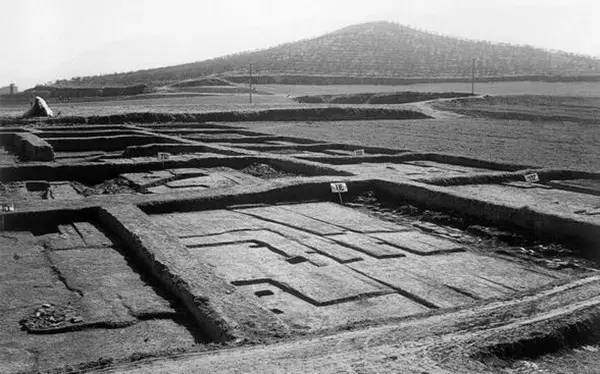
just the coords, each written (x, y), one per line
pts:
(538, 224)
(287, 114)
(301, 192)
(153, 149)
(544, 175)
(419, 156)
(28, 146)
(102, 143)
(141, 243)
(96, 173)
(33, 148)
(323, 147)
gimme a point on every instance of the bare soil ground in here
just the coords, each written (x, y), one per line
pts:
(269, 275)
(583, 89)
(177, 104)
(528, 107)
(548, 143)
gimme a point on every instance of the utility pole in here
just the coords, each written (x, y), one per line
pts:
(250, 83)
(473, 77)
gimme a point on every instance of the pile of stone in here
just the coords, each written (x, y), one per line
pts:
(49, 317)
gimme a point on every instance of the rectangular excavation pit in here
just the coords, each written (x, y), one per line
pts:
(103, 143)
(68, 145)
(568, 191)
(319, 265)
(544, 214)
(421, 170)
(149, 151)
(540, 196)
(188, 179)
(38, 190)
(73, 295)
(418, 157)
(178, 173)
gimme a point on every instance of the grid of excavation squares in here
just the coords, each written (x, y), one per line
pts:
(320, 265)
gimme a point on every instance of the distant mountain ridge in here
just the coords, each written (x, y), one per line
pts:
(377, 49)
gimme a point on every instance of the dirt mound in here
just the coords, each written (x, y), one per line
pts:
(108, 187)
(49, 318)
(265, 171)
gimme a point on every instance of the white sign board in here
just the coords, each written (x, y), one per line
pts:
(338, 187)
(359, 152)
(7, 207)
(532, 178)
(162, 156)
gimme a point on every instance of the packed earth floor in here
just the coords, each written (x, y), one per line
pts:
(204, 247)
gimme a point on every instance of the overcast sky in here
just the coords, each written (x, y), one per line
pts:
(44, 40)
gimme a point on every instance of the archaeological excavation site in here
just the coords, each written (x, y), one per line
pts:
(207, 246)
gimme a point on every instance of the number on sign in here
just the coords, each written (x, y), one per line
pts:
(162, 156)
(532, 178)
(359, 152)
(338, 187)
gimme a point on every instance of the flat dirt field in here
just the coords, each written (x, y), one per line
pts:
(559, 108)
(150, 243)
(585, 89)
(165, 104)
(549, 143)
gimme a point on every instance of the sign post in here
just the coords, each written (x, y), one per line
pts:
(163, 156)
(339, 188)
(5, 208)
